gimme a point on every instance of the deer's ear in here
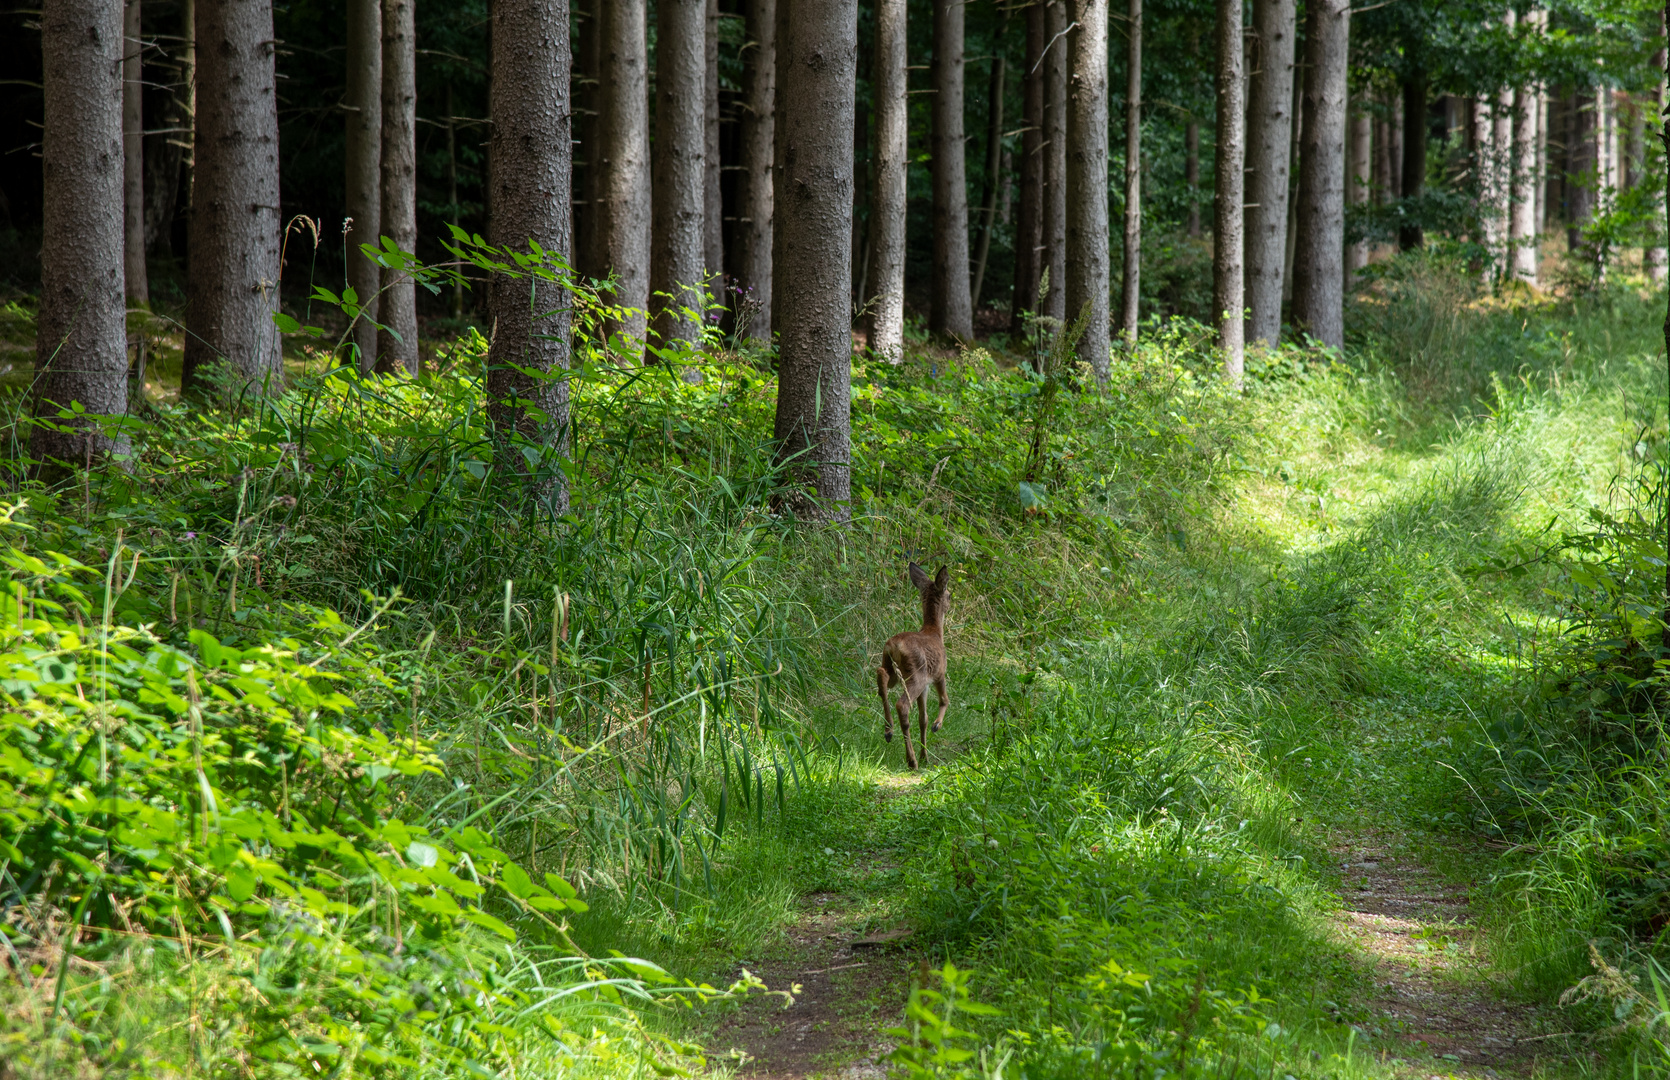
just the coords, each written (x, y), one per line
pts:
(918, 576)
(942, 578)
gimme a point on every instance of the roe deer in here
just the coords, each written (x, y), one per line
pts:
(916, 658)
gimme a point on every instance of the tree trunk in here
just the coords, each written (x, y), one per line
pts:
(586, 92)
(1292, 242)
(887, 204)
(362, 154)
(1413, 173)
(1384, 168)
(621, 169)
(713, 203)
(678, 243)
(529, 173)
(397, 352)
(1582, 163)
(1130, 292)
(1230, 158)
(81, 352)
(1029, 232)
(1360, 166)
(1269, 150)
(1654, 257)
(1088, 273)
(759, 124)
(133, 158)
(818, 58)
(164, 148)
(1664, 135)
(232, 285)
(1319, 262)
(1055, 160)
(1522, 225)
(990, 188)
(1501, 152)
(950, 309)
(1191, 173)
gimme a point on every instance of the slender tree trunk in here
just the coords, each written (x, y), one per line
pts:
(397, 352)
(587, 94)
(887, 207)
(362, 154)
(1131, 290)
(950, 310)
(1358, 171)
(1583, 164)
(1191, 173)
(1293, 185)
(818, 58)
(81, 352)
(1319, 264)
(759, 124)
(232, 284)
(1522, 225)
(529, 174)
(991, 188)
(1384, 167)
(1654, 258)
(1029, 224)
(713, 203)
(1269, 149)
(1230, 158)
(1413, 178)
(1664, 135)
(621, 168)
(133, 158)
(677, 251)
(1055, 160)
(1088, 273)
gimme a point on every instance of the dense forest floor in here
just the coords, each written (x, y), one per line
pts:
(1290, 735)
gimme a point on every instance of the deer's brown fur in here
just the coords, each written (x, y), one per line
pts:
(916, 658)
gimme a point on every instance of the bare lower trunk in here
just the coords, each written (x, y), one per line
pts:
(1359, 168)
(1269, 149)
(713, 206)
(991, 188)
(1655, 259)
(1522, 225)
(397, 347)
(81, 337)
(621, 171)
(759, 125)
(1191, 173)
(587, 89)
(1582, 163)
(1087, 179)
(950, 309)
(1227, 289)
(1412, 178)
(529, 178)
(1293, 187)
(133, 159)
(1055, 160)
(362, 154)
(818, 58)
(1029, 231)
(887, 206)
(1384, 163)
(1130, 290)
(1319, 261)
(232, 287)
(677, 252)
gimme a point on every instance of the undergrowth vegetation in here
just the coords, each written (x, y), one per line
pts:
(319, 756)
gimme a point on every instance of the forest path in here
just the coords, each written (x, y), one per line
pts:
(1436, 1007)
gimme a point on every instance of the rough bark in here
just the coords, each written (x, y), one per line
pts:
(397, 352)
(81, 329)
(587, 88)
(232, 285)
(713, 206)
(1359, 168)
(1029, 222)
(887, 204)
(1191, 173)
(818, 58)
(990, 189)
(1130, 290)
(1055, 160)
(133, 158)
(1229, 160)
(621, 173)
(755, 192)
(677, 243)
(529, 175)
(1269, 148)
(950, 308)
(1522, 224)
(362, 154)
(1502, 180)
(1412, 177)
(1087, 179)
(1319, 261)
(1293, 188)
(1655, 259)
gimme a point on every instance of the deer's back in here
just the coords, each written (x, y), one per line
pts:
(917, 651)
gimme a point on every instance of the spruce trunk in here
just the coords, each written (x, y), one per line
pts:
(620, 168)
(759, 125)
(1029, 233)
(1229, 159)
(1130, 293)
(950, 309)
(1087, 180)
(1412, 175)
(1319, 256)
(137, 284)
(1055, 160)
(362, 155)
(1269, 149)
(397, 346)
(887, 208)
(677, 243)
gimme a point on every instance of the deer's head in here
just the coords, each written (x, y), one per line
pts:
(935, 594)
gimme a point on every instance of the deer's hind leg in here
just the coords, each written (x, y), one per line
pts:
(884, 678)
(944, 701)
(922, 719)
